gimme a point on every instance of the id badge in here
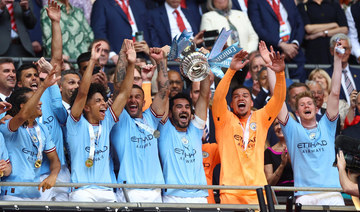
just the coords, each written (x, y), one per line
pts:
(284, 32)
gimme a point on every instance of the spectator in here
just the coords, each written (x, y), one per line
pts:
(139, 159)
(221, 15)
(169, 20)
(24, 132)
(84, 5)
(15, 19)
(176, 83)
(278, 169)
(76, 32)
(104, 57)
(351, 117)
(322, 20)
(350, 80)
(240, 5)
(240, 144)
(116, 20)
(255, 64)
(184, 165)
(352, 15)
(322, 77)
(279, 24)
(300, 138)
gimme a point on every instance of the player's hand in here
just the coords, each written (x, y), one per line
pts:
(277, 60)
(264, 52)
(53, 11)
(4, 106)
(147, 72)
(157, 54)
(47, 183)
(238, 62)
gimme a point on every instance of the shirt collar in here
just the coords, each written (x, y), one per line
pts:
(171, 9)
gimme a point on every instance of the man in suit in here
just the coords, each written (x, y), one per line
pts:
(169, 20)
(116, 20)
(350, 79)
(279, 24)
(240, 5)
(16, 18)
(7, 78)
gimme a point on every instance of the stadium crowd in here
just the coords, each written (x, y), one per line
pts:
(143, 122)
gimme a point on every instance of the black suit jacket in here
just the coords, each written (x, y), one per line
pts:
(24, 21)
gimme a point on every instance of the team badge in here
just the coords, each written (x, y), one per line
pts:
(184, 140)
(89, 163)
(253, 126)
(205, 154)
(312, 136)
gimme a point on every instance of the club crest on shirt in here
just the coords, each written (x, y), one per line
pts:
(312, 136)
(205, 154)
(253, 126)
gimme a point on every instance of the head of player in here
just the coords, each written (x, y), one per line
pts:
(18, 99)
(180, 111)
(95, 107)
(241, 102)
(135, 102)
(306, 108)
(27, 75)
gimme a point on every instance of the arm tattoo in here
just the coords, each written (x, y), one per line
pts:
(163, 81)
(120, 70)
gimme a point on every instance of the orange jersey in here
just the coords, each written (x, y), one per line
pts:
(210, 159)
(238, 166)
(146, 86)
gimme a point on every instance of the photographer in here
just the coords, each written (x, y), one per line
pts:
(348, 180)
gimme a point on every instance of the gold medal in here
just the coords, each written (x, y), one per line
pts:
(156, 133)
(1, 174)
(89, 163)
(38, 164)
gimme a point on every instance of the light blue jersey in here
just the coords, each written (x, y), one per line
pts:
(181, 158)
(23, 155)
(312, 153)
(78, 139)
(53, 116)
(137, 149)
(3, 151)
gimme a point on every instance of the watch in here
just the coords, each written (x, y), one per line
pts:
(326, 33)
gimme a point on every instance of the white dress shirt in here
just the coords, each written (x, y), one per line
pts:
(174, 29)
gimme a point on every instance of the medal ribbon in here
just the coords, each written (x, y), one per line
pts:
(145, 127)
(246, 132)
(39, 138)
(92, 140)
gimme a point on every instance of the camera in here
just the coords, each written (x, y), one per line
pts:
(351, 149)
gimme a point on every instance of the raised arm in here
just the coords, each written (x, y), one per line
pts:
(27, 111)
(125, 85)
(54, 13)
(333, 99)
(219, 106)
(203, 101)
(161, 98)
(80, 100)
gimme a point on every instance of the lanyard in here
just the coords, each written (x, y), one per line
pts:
(246, 132)
(92, 140)
(37, 138)
(276, 7)
(147, 128)
(124, 4)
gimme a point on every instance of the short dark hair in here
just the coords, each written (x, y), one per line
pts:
(17, 97)
(70, 71)
(239, 87)
(138, 87)
(97, 40)
(6, 60)
(94, 88)
(297, 85)
(83, 57)
(22, 68)
(179, 96)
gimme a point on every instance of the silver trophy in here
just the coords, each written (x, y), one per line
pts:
(194, 64)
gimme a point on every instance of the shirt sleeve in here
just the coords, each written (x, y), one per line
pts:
(49, 145)
(219, 107)
(56, 104)
(4, 155)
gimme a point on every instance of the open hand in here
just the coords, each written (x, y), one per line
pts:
(51, 78)
(130, 51)
(238, 62)
(96, 52)
(43, 65)
(53, 11)
(264, 52)
(278, 64)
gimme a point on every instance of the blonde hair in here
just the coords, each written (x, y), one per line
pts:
(210, 6)
(323, 73)
(302, 95)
